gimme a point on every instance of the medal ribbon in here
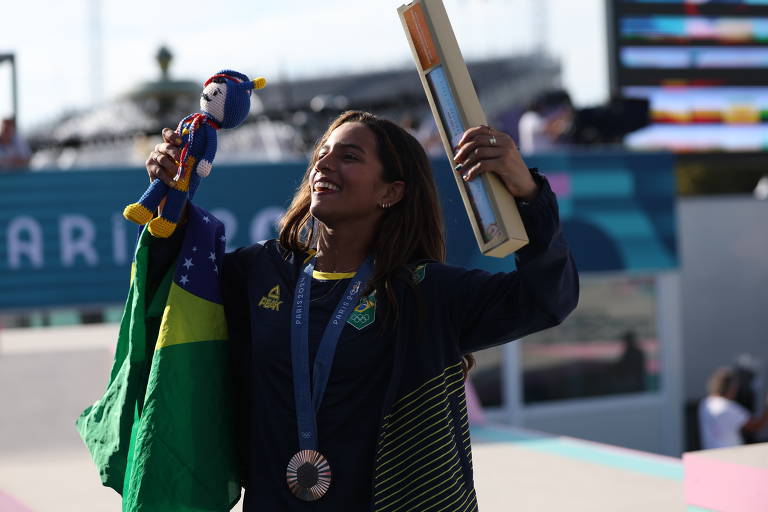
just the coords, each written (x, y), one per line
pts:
(308, 398)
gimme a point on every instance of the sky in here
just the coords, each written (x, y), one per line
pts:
(59, 70)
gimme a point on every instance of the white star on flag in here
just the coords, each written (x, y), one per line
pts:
(212, 257)
(188, 263)
(184, 280)
(216, 269)
(194, 249)
(206, 219)
(223, 238)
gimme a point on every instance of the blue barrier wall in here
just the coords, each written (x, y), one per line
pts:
(63, 241)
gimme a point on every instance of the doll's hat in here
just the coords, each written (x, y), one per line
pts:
(238, 101)
(237, 77)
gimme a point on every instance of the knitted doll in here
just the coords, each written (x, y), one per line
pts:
(225, 103)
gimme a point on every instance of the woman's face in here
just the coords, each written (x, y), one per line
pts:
(346, 180)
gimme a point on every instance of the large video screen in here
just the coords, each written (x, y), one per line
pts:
(703, 66)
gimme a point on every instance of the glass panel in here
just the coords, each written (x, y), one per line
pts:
(607, 346)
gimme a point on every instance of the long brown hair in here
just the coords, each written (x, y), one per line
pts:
(410, 230)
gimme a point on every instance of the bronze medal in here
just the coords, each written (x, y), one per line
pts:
(308, 475)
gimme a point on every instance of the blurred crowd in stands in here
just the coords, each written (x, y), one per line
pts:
(288, 115)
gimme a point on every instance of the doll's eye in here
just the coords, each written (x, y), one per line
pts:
(216, 92)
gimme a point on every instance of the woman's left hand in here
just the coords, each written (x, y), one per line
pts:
(483, 149)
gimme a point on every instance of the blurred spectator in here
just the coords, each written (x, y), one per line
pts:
(630, 368)
(761, 189)
(14, 152)
(721, 418)
(547, 122)
(551, 122)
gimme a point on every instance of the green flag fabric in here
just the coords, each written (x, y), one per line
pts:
(163, 433)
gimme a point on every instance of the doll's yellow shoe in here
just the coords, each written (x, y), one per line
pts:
(137, 213)
(161, 228)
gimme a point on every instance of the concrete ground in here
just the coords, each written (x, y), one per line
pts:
(49, 375)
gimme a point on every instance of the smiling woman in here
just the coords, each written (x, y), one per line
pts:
(386, 201)
(349, 159)
(350, 336)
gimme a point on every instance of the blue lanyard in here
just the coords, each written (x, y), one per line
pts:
(308, 400)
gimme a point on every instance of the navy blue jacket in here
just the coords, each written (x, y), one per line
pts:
(423, 453)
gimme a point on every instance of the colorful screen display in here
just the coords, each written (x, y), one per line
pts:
(702, 57)
(702, 64)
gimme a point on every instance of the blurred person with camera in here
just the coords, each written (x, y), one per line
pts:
(547, 122)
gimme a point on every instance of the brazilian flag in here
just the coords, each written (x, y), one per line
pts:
(163, 433)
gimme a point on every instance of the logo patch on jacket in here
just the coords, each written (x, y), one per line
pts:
(364, 314)
(272, 299)
(418, 273)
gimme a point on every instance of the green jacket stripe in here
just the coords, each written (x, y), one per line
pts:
(423, 456)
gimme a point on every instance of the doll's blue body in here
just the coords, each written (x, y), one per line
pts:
(225, 103)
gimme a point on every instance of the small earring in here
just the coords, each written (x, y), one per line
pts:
(385, 205)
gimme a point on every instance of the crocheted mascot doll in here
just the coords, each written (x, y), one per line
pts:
(225, 103)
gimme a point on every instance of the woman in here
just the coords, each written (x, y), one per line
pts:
(359, 263)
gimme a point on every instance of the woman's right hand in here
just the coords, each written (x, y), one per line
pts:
(163, 162)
